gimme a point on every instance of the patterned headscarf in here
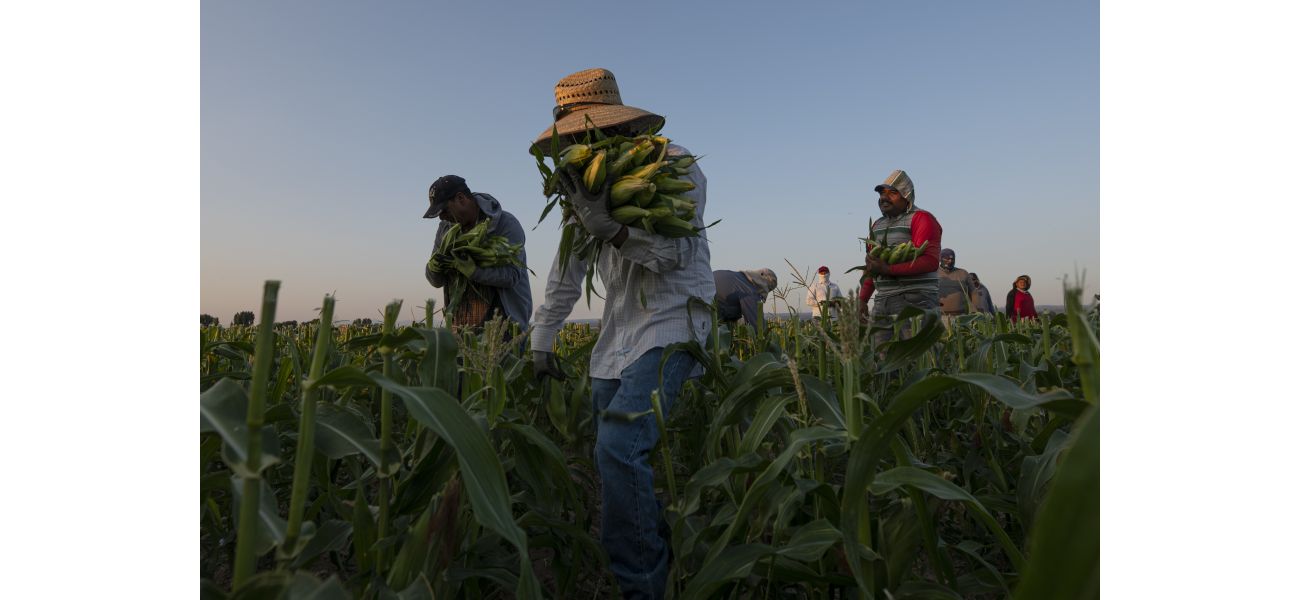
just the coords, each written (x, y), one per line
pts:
(765, 279)
(901, 183)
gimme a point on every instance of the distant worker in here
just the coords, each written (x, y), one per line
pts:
(740, 292)
(1020, 304)
(955, 287)
(823, 290)
(491, 291)
(912, 283)
(983, 299)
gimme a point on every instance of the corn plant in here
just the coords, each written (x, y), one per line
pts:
(811, 460)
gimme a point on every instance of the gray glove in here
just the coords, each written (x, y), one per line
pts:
(546, 365)
(591, 208)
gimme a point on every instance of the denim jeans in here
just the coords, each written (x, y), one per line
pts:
(631, 516)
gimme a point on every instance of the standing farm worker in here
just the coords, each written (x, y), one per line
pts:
(912, 283)
(955, 287)
(1020, 304)
(739, 294)
(491, 291)
(649, 281)
(983, 299)
(822, 290)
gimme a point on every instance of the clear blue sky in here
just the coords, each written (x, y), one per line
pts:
(323, 123)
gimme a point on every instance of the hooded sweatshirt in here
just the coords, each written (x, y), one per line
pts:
(510, 282)
(916, 225)
(955, 287)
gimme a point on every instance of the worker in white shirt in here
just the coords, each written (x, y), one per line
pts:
(823, 290)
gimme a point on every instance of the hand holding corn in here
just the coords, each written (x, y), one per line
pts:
(642, 184)
(880, 255)
(459, 251)
(590, 205)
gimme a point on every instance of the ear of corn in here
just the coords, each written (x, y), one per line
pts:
(626, 188)
(645, 195)
(646, 171)
(594, 177)
(899, 252)
(575, 156)
(643, 150)
(667, 183)
(629, 214)
(624, 161)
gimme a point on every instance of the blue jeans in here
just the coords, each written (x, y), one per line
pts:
(631, 518)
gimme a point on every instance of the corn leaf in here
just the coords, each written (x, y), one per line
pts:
(940, 488)
(223, 410)
(270, 526)
(810, 542)
(1064, 545)
(735, 564)
(485, 479)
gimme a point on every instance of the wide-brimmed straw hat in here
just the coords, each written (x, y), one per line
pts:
(593, 94)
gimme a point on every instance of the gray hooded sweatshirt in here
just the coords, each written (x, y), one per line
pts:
(511, 283)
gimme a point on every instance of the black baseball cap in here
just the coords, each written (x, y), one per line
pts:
(442, 191)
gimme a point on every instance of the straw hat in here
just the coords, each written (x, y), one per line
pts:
(593, 94)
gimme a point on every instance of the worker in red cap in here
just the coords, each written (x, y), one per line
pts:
(821, 292)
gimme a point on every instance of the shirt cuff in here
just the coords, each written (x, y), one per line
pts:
(543, 339)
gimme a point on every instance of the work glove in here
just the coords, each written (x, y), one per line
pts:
(440, 263)
(465, 266)
(546, 365)
(591, 208)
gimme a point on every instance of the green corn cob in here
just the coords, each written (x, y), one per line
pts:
(916, 253)
(643, 151)
(674, 227)
(626, 188)
(899, 252)
(628, 214)
(646, 171)
(575, 155)
(594, 176)
(661, 212)
(667, 183)
(645, 195)
(625, 160)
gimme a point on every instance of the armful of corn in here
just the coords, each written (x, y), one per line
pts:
(474, 244)
(645, 185)
(892, 255)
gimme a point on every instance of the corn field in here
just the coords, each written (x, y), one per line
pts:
(807, 462)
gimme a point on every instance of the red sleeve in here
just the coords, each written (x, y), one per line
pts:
(864, 292)
(925, 228)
